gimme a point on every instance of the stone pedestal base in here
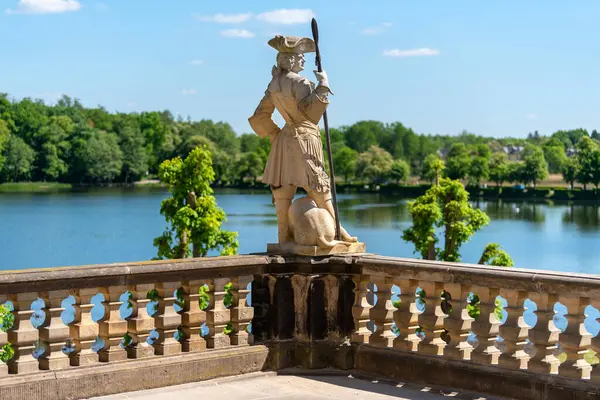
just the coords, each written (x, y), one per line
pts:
(297, 249)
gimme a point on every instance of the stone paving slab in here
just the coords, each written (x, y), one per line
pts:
(287, 387)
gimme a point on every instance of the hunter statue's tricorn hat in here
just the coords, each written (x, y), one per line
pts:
(292, 44)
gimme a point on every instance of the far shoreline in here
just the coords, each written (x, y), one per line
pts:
(541, 193)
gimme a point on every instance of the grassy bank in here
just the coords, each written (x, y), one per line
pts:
(34, 187)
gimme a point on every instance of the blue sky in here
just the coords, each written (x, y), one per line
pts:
(497, 68)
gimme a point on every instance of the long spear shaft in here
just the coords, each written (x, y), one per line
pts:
(315, 32)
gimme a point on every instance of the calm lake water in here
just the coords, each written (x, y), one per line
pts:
(112, 225)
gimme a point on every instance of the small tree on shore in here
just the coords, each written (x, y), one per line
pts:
(447, 206)
(192, 215)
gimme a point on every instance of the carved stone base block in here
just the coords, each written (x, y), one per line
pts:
(193, 344)
(85, 357)
(297, 249)
(141, 350)
(3, 369)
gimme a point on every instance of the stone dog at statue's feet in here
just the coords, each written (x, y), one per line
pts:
(311, 225)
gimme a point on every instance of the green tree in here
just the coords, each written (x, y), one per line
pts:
(53, 146)
(432, 168)
(535, 168)
(345, 160)
(494, 254)
(250, 165)
(515, 171)
(585, 159)
(498, 167)
(458, 161)
(400, 171)
(555, 156)
(479, 170)
(98, 156)
(374, 165)
(362, 135)
(131, 143)
(18, 160)
(4, 135)
(445, 206)
(192, 215)
(570, 171)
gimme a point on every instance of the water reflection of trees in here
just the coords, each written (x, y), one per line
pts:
(584, 217)
(498, 210)
(374, 211)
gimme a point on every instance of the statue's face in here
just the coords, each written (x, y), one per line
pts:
(298, 64)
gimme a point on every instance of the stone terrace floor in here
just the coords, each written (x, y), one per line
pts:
(288, 387)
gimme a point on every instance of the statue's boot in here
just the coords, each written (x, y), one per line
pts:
(283, 226)
(282, 197)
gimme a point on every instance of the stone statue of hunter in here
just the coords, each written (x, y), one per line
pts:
(296, 157)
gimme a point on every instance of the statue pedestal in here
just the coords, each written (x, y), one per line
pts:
(292, 248)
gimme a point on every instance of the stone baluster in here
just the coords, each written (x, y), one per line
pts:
(112, 328)
(486, 327)
(382, 314)
(432, 319)
(54, 332)
(167, 320)
(575, 340)
(544, 335)
(596, 347)
(218, 315)
(23, 336)
(406, 316)
(360, 310)
(3, 341)
(83, 329)
(458, 323)
(514, 331)
(140, 323)
(192, 317)
(241, 313)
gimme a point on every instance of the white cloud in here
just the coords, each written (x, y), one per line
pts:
(226, 18)
(532, 116)
(374, 30)
(287, 16)
(241, 33)
(411, 53)
(196, 62)
(188, 92)
(131, 104)
(45, 7)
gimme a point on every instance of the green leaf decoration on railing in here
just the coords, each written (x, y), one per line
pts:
(152, 295)
(473, 307)
(6, 352)
(498, 310)
(179, 293)
(204, 297)
(129, 300)
(7, 319)
(228, 330)
(396, 303)
(127, 340)
(228, 298)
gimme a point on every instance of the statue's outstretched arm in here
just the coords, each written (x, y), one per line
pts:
(261, 122)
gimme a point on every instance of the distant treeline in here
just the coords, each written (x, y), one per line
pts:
(69, 143)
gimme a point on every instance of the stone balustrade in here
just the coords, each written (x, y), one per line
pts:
(451, 324)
